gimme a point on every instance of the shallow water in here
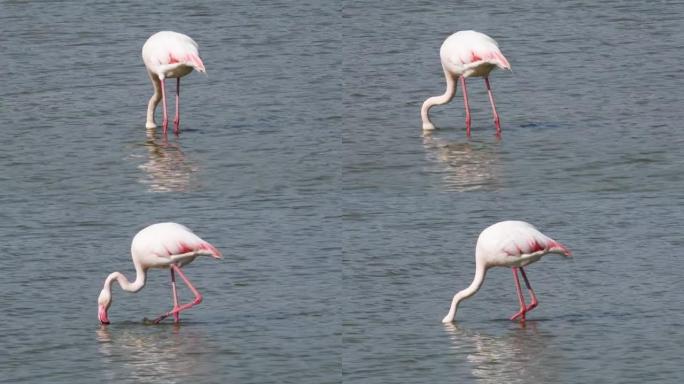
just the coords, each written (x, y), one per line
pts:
(345, 230)
(591, 153)
(253, 172)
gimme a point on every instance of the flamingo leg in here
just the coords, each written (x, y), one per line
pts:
(176, 316)
(491, 100)
(466, 105)
(165, 121)
(521, 298)
(198, 296)
(176, 120)
(534, 302)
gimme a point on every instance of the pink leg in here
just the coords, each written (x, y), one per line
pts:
(176, 315)
(165, 121)
(491, 100)
(198, 296)
(521, 298)
(534, 302)
(467, 106)
(176, 120)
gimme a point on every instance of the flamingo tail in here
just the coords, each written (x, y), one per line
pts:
(560, 248)
(201, 248)
(211, 249)
(196, 62)
(500, 60)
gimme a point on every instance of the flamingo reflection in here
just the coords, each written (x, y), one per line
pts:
(144, 354)
(167, 168)
(519, 356)
(466, 166)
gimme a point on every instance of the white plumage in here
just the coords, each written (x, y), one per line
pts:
(514, 244)
(470, 53)
(158, 244)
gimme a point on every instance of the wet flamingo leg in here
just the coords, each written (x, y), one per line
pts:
(466, 105)
(176, 316)
(521, 298)
(491, 100)
(176, 120)
(534, 302)
(198, 296)
(165, 121)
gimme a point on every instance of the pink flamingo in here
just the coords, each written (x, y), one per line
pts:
(465, 54)
(168, 54)
(162, 245)
(512, 244)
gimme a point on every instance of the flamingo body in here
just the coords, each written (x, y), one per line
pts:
(154, 245)
(471, 54)
(466, 54)
(162, 245)
(514, 244)
(168, 54)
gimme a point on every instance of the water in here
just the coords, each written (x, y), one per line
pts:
(309, 112)
(254, 172)
(591, 153)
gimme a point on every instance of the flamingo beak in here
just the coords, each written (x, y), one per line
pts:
(102, 315)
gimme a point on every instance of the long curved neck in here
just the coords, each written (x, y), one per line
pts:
(480, 271)
(125, 284)
(154, 100)
(441, 99)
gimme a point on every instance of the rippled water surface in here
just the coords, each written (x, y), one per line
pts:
(345, 230)
(254, 172)
(591, 153)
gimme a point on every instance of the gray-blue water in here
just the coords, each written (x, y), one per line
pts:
(345, 230)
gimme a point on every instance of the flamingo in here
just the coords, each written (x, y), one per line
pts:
(168, 54)
(465, 54)
(161, 245)
(512, 244)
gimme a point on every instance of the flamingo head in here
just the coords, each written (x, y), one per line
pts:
(103, 303)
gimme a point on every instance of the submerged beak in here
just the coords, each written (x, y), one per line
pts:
(102, 315)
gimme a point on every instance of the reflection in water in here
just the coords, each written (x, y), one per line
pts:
(154, 354)
(167, 168)
(466, 166)
(520, 356)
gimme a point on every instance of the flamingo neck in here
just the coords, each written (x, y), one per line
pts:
(154, 100)
(124, 283)
(478, 280)
(438, 100)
